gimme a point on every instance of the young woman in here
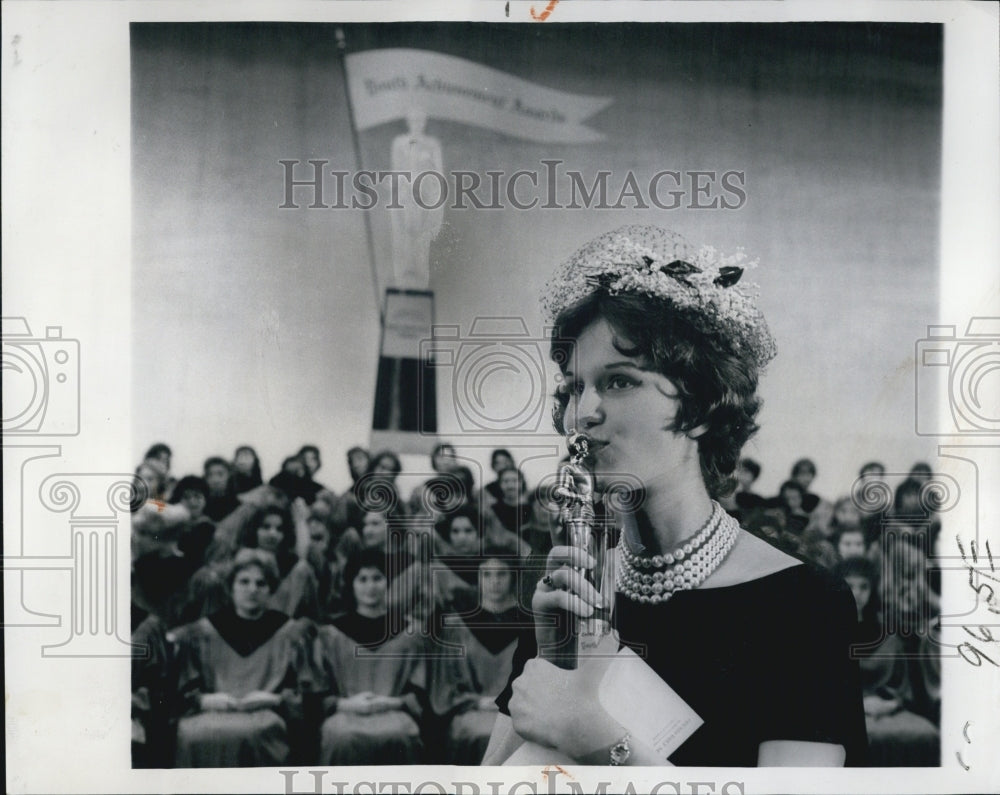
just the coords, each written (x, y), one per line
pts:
(660, 351)
(297, 593)
(373, 674)
(242, 675)
(246, 469)
(512, 511)
(500, 459)
(896, 735)
(464, 685)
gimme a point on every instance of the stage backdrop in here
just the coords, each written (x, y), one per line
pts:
(260, 325)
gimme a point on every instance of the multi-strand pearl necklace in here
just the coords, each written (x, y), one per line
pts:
(685, 568)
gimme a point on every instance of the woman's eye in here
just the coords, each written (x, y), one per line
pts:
(619, 382)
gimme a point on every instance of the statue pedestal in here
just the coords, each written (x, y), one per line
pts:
(405, 415)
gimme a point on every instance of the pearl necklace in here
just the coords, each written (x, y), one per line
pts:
(685, 568)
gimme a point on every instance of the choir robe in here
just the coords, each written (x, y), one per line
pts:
(152, 741)
(227, 654)
(476, 664)
(902, 738)
(298, 593)
(356, 655)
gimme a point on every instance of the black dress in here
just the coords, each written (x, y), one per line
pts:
(762, 660)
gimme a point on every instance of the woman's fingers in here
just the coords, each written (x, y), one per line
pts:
(572, 580)
(561, 600)
(569, 556)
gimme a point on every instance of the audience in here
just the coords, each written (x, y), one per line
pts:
(286, 624)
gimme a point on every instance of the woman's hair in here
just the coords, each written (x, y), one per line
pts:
(188, 483)
(794, 485)
(388, 454)
(286, 550)
(837, 505)
(862, 567)
(369, 558)
(157, 450)
(255, 470)
(716, 385)
(804, 465)
(522, 483)
(500, 451)
(908, 488)
(443, 525)
(842, 531)
(870, 465)
(246, 558)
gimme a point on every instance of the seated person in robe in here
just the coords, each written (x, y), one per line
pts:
(373, 675)
(473, 667)
(897, 736)
(242, 675)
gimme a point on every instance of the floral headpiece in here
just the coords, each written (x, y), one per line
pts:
(647, 260)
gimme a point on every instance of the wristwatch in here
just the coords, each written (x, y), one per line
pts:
(621, 751)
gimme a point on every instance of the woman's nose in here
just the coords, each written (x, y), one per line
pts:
(588, 410)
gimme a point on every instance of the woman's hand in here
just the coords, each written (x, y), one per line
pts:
(259, 699)
(876, 706)
(559, 708)
(358, 704)
(217, 702)
(385, 704)
(563, 588)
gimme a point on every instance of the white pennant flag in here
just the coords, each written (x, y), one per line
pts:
(387, 84)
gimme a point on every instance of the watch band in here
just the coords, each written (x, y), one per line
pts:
(621, 751)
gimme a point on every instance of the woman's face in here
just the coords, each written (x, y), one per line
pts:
(217, 478)
(270, 533)
(792, 499)
(444, 460)
(626, 409)
(851, 545)
(194, 501)
(510, 487)
(250, 592)
(496, 581)
(370, 588)
(358, 462)
(244, 462)
(151, 477)
(847, 514)
(319, 536)
(804, 477)
(464, 537)
(861, 588)
(374, 532)
(501, 461)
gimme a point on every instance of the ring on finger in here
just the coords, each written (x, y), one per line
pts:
(547, 579)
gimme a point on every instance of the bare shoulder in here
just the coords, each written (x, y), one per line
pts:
(750, 559)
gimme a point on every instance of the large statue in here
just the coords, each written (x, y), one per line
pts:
(415, 226)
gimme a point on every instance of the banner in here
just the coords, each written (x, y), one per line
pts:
(386, 84)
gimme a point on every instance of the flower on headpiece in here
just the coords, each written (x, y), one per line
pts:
(647, 260)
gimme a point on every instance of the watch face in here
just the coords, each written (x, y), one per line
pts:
(620, 752)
